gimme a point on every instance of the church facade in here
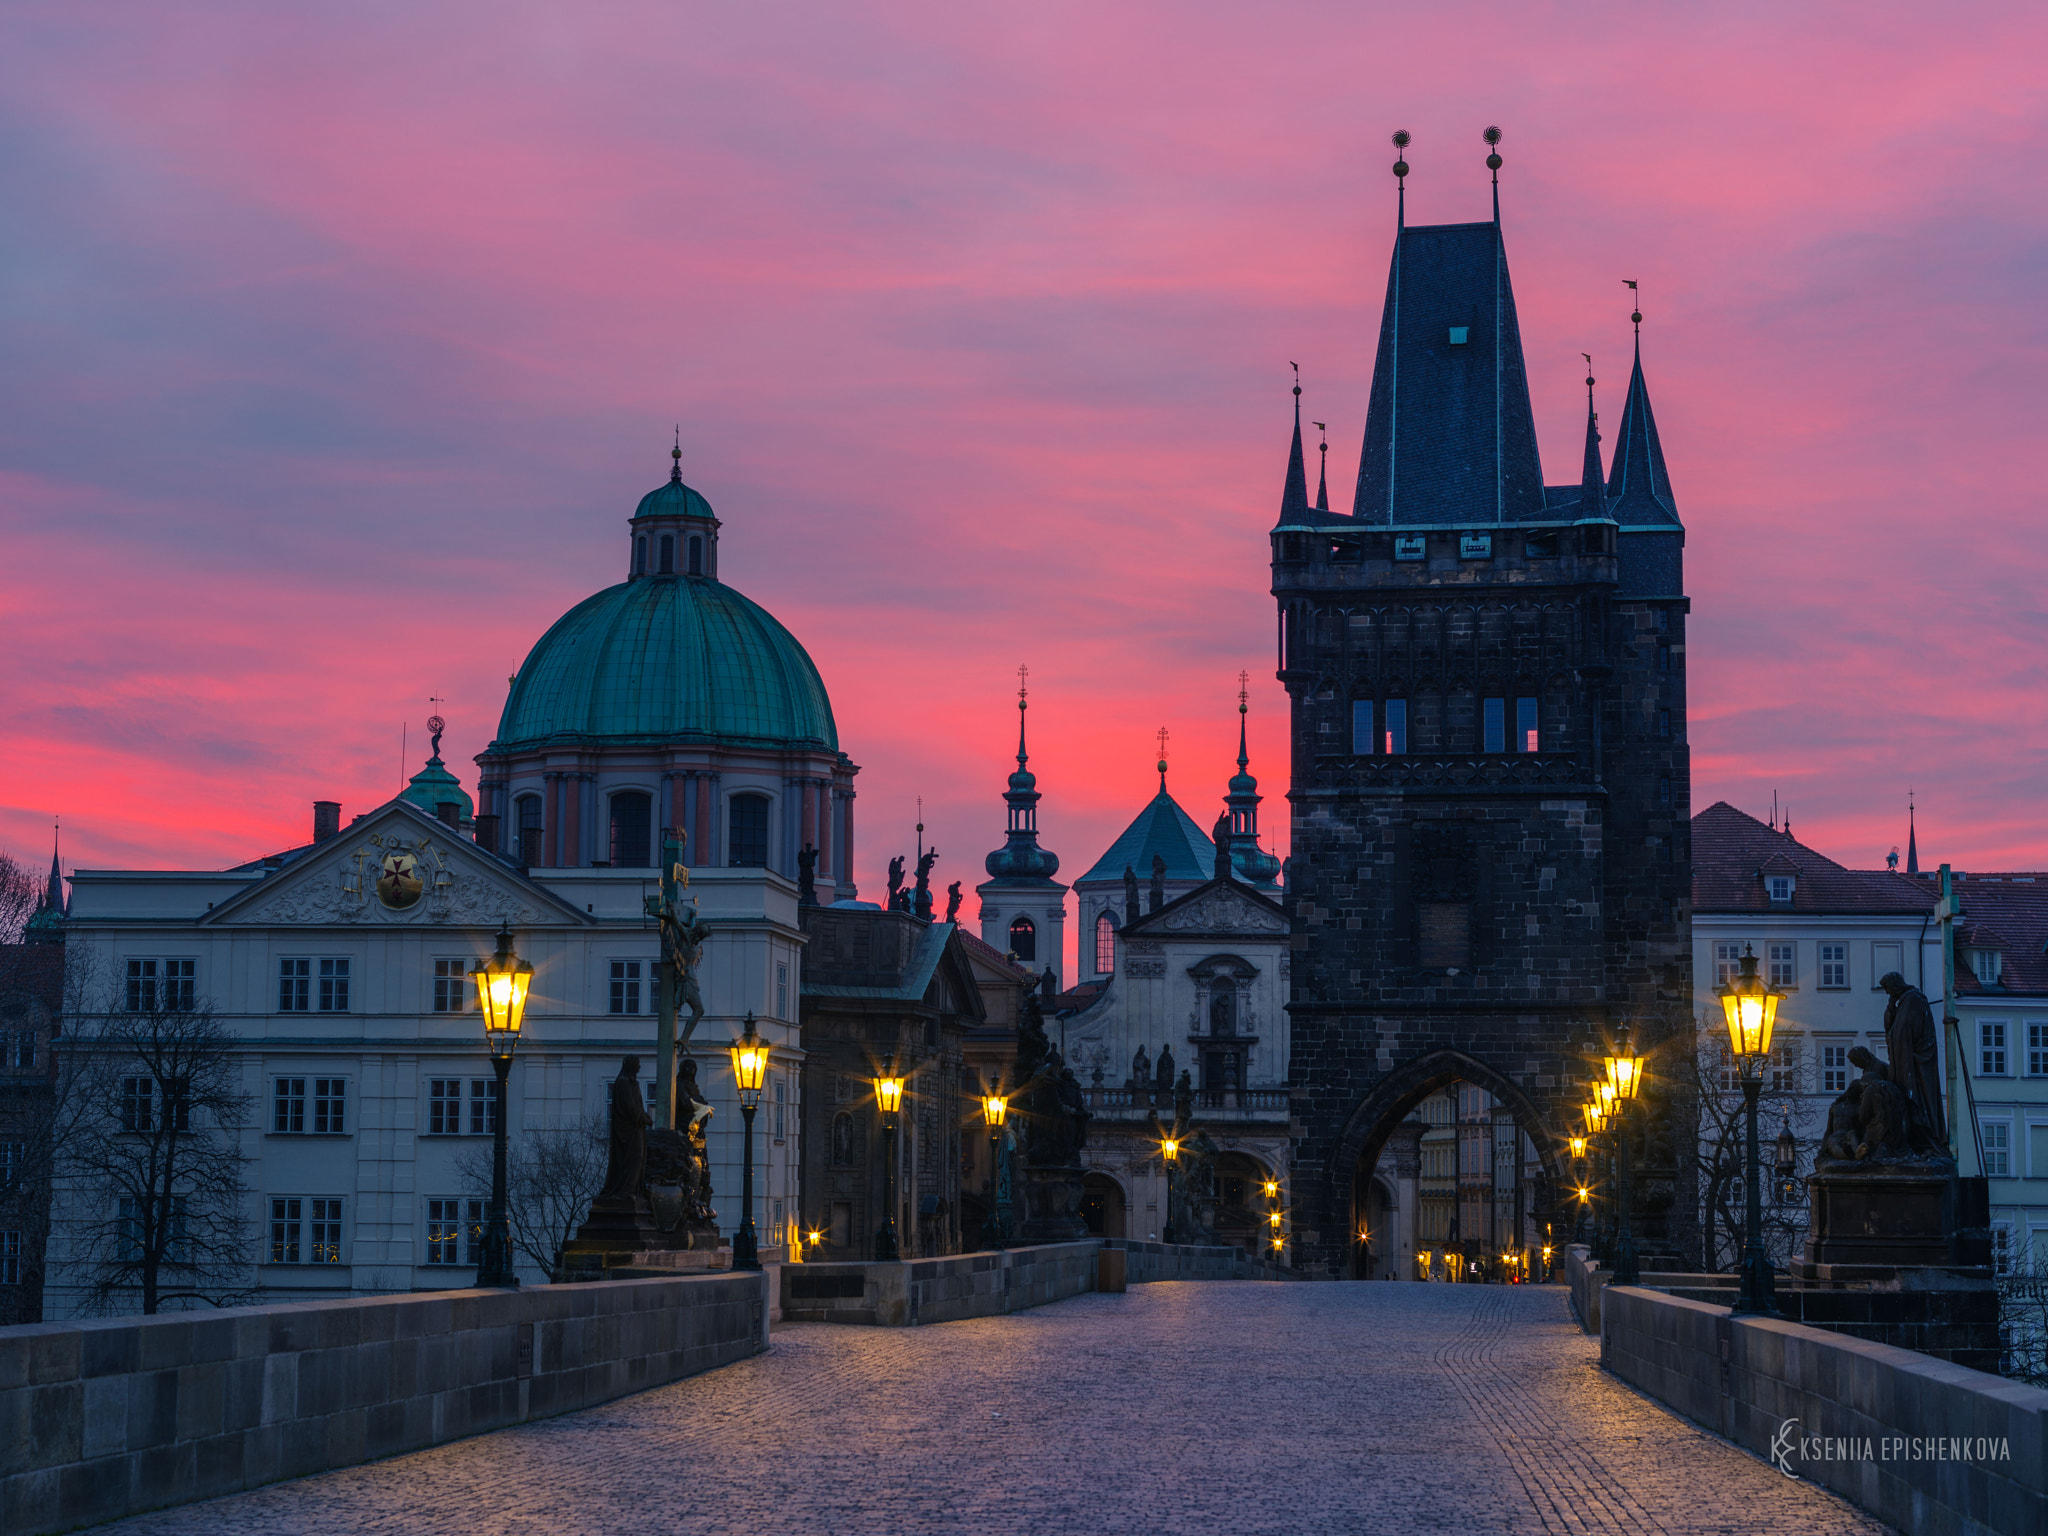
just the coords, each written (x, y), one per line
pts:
(1489, 778)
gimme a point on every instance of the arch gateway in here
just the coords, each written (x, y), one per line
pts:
(1490, 871)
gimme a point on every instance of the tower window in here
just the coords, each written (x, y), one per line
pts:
(668, 554)
(1664, 724)
(632, 816)
(1024, 939)
(1105, 944)
(747, 839)
(529, 829)
(696, 557)
(1396, 733)
(1495, 714)
(640, 555)
(1361, 727)
(1528, 738)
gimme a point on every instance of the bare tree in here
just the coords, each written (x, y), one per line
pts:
(151, 1165)
(1705, 1077)
(20, 890)
(550, 1179)
(2023, 1323)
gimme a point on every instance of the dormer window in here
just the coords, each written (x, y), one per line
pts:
(1989, 965)
(1780, 889)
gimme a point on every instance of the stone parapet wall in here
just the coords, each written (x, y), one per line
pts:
(1929, 1446)
(107, 1418)
(1188, 1261)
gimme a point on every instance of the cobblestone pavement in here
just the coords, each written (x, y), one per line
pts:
(1220, 1407)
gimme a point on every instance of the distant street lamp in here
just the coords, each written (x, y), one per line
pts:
(1624, 1077)
(889, 1096)
(749, 1071)
(1752, 1010)
(501, 985)
(995, 1109)
(1169, 1149)
(1787, 1161)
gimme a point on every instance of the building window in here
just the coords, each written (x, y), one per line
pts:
(528, 807)
(483, 1107)
(1664, 724)
(454, 1231)
(640, 555)
(10, 1258)
(1727, 963)
(782, 989)
(778, 1110)
(294, 986)
(1784, 965)
(141, 985)
(145, 1108)
(668, 554)
(160, 984)
(13, 1156)
(1528, 738)
(2037, 1052)
(325, 1236)
(1361, 727)
(1663, 658)
(334, 986)
(632, 831)
(1784, 1064)
(451, 986)
(1105, 944)
(1991, 1047)
(1779, 888)
(287, 1228)
(625, 986)
(1834, 967)
(1444, 935)
(1664, 794)
(1834, 1069)
(1023, 939)
(444, 1106)
(329, 1102)
(1997, 1149)
(696, 556)
(1494, 721)
(18, 1050)
(1396, 734)
(330, 1106)
(288, 1107)
(747, 842)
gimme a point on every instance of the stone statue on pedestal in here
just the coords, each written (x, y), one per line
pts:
(626, 1164)
(1912, 1050)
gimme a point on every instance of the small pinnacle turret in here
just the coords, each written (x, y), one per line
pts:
(1241, 822)
(1592, 491)
(1294, 494)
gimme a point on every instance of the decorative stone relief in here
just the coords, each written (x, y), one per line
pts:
(349, 893)
(1136, 969)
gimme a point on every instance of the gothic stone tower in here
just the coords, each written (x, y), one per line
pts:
(1490, 868)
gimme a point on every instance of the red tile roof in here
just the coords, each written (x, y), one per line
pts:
(1731, 853)
(2007, 912)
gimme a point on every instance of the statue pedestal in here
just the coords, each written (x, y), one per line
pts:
(1052, 1206)
(1881, 1217)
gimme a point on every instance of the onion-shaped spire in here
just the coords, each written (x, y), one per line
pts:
(1020, 860)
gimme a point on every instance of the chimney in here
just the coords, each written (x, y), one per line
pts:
(450, 811)
(487, 833)
(326, 819)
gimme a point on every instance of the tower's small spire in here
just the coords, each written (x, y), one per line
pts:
(1162, 759)
(1402, 140)
(1023, 703)
(1592, 482)
(675, 471)
(1638, 487)
(53, 896)
(1294, 494)
(1323, 475)
(1243, 708)
(1492, 137)
(1912, 838)
(1237, 840)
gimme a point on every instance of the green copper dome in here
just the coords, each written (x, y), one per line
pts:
(666, 656)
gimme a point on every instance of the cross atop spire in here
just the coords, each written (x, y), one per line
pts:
(1023, 704)
(1162, 759)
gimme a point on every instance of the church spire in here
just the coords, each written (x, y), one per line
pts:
(1294, 494)
(1912, 838)
(1638, 487)
(1591, 490)
(1240, 825)
(1323, 475)
(1020, 861)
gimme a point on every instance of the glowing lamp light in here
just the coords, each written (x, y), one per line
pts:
(750, 1064)
(1169, 1148)
(995, 1109)
(889, 1088)
(1272, 1189)
(1752, 1010)
(1624, 1073)
(501, 984)
(1279, 1243)
(1596, 1118)
(1585, 1194)
(1274, 1219)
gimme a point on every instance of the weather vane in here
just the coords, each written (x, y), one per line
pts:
(1243, 691)
(1636, 317)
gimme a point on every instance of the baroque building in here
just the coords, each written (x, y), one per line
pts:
(1489, 778)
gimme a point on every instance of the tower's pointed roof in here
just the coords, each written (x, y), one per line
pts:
(1020, 861)
(1449, 433)
(1294, 494)
(1639, 489)
(1591, 489)
(1161, 828)
(1912, 842)
(46, 923)
(1323, 477)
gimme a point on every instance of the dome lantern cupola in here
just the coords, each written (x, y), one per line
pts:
(1020, 858)
(1253, 865)
(674, 530)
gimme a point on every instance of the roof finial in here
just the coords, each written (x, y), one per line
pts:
(1402, 140)
(675, 470)
(1492, 137)
(1592, 483)
(1162, 759)
(1023, 672)
(1243, 709)
(1635, 309)
(1323, 476)
(436, 725)
(1912, 837)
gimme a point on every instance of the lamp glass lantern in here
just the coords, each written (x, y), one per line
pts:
(1624, 1073)
(1169, 1148)
(750, 1064)
(1578, 1146)
(995, 1109)
(889, 1090)
(1752, 1013)
(501, 986)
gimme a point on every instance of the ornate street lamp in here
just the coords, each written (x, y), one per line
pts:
(749, 1071)
(1169, 1150)
(1787, 1161)
(1624, 1077)
(501, 985)
(1752, 1010)
(995, 1109)
(889, 1096)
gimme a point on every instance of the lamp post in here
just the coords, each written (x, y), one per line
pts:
(1787, 1161)
(1169, 1152)
(995, 1109)
(1596, 1124)
(1752, 1010)
(749, 1071)
(889, 1097)
(501, 985)
(1624, 1077)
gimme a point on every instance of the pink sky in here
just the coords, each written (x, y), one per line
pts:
(339, 342)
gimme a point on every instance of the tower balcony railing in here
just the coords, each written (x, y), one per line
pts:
(1139, 1104)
